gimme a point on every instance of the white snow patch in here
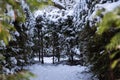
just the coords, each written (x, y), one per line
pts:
(13, 60)
(46, 59)
(107, 6)
(70, 12)
(17, 34)
(2, 43)
(38, 12)
(59, 72)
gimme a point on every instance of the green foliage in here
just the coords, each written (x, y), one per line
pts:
(18, 14)
(23, 75)
(114, 64)
(107, 22)
(114, 42)
(104, 46)
(111, 22)
(6, 27)
(4, 34)
(38, 3)
(109, 29)
(99, 12)
(1, 57)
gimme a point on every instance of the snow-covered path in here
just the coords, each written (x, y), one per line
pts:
(59, 72)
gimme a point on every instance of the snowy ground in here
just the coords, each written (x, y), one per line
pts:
(59, 72)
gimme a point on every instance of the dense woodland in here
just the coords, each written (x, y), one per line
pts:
(24, 36)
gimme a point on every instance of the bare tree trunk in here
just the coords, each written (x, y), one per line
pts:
(58, 5)
(58, 55)
(53, 54)
(42, 52)
(39, 54)
(58, 59)
(53, 43)
(39, 50)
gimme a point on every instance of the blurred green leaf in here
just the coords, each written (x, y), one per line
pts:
(107, 22)
(114, 64)
(113, 55)
(1, 57)
(110, 19)
(114, 42)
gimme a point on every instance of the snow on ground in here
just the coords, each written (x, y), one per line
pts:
(49, 71)
(49, 59)
(46, 59)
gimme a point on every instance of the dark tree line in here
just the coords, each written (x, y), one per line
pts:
(57, 36)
